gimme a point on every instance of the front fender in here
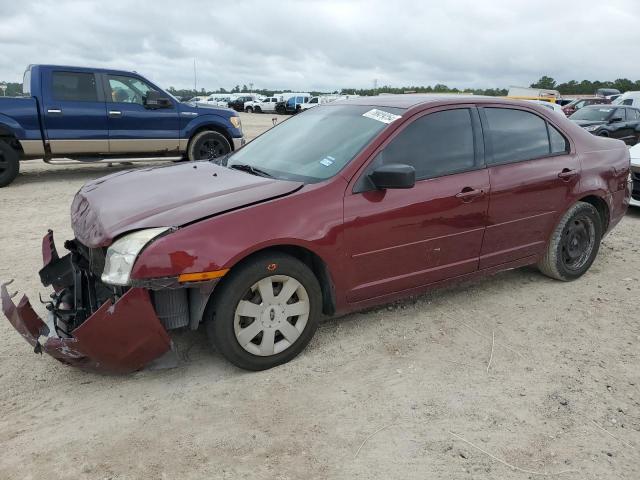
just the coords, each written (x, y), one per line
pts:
(210, 120)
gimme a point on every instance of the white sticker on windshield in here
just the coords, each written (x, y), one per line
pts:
(381, 116)
(327, 161)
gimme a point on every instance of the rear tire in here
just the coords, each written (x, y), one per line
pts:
(9, 164)
(574, 243)
(207, 145)
(252, 324)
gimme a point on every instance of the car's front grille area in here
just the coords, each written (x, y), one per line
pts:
(635, 174)
(94, 256)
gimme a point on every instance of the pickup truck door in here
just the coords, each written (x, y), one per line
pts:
(74, 113)
(270, 104)
(134, 128)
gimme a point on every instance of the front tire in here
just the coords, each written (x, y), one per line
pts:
(9, 164)
(265, 312)
(207, 145)
(574, 243)
(249, 110)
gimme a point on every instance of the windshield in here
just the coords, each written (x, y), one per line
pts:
(599, 114)
(314, 145)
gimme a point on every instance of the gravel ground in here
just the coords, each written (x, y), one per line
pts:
(404, 391)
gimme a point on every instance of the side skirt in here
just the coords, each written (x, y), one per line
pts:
(392, 297)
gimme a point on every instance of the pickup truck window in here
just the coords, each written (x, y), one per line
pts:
(74, 86)
(128, 89)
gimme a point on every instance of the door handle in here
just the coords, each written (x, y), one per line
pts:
(467, 194)
(54, 111)
(115, 113)
(566, 174)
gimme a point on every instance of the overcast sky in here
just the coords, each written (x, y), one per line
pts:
(327, 45)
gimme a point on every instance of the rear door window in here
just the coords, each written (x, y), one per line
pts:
(620, 113)
(74, 86)
(516, 135)
(437, 144)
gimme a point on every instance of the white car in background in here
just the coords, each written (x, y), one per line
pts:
(628, 98)
(635, 174)
(267, 105)
(320, 100)
(551, 106)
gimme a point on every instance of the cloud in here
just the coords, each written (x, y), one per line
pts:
(327, 45)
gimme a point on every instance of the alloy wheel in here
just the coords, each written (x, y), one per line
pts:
(211, 148)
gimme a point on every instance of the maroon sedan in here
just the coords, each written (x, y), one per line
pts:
(348, 205)
(575, 105)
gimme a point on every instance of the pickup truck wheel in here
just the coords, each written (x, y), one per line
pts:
(249, 109)
(258, 110)
(207, 145)
(574, 243)
(9, 164)
(266, 312)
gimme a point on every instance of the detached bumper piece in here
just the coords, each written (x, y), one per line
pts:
(122, 335)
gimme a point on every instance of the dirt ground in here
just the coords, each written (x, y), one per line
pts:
(404, 391)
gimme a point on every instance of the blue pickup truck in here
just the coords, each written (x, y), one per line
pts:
(91, 114)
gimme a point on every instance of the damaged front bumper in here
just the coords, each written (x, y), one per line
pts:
(121, 335)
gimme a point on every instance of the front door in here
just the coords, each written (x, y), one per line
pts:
(75, 117)
(533, 174)
(134, 128)
(400, 239)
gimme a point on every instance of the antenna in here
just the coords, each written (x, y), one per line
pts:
(195, 77)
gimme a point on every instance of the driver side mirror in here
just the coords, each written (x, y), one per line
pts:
(615, 119)
(393, 175)
(155, 100)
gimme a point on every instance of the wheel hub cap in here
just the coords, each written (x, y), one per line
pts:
(272, 315)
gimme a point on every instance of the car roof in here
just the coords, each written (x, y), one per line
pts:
(407, 101)
(611, 105)
(72, 68)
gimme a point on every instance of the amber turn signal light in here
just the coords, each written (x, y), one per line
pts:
(201, 276)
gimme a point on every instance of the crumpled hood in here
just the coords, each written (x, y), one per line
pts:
(165, 196)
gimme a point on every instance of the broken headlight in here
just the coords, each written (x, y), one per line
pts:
(122, 254)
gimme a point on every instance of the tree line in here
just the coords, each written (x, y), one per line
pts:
(586, 87)
(572, 87)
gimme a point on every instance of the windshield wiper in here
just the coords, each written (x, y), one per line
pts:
(252, 170)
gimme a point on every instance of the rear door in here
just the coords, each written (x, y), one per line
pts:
(75, 117)
(633, 117)
(133, 128)
(533, 174)
(618, 127)
(406, 238)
